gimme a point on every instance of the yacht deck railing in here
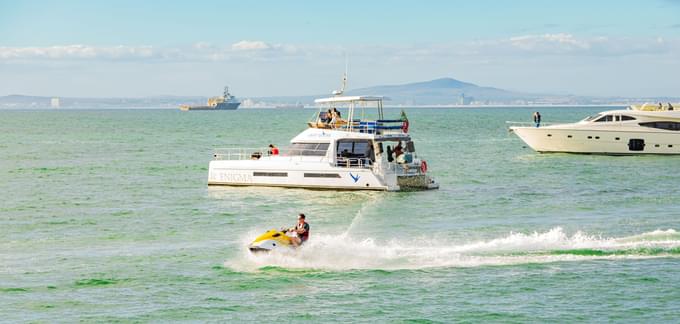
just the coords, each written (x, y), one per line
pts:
(378, 127)
(529, 124)
(249, 153)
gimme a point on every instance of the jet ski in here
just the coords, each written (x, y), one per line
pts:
(271, 240)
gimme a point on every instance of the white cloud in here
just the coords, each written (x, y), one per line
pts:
(245, 45)
(550, 42)
(488, 50)
(76, 52)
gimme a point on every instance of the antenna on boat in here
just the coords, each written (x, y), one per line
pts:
(344, 81)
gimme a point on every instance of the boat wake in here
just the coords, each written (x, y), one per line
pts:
(343, 252)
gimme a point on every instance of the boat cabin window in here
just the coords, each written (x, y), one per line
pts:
(625, 117)
(605, 118)
(662, 125)
(589, 118)
(355, 150)
(308, 149)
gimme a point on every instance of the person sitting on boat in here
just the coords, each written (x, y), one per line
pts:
(325, 116)
(301, 229)
(273, 150)
(334, 116)
(670, 107)
(337, 113)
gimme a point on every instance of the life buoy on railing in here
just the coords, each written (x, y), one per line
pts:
(423, 166)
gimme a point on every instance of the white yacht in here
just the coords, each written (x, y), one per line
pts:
(640, 129)
(356, 153)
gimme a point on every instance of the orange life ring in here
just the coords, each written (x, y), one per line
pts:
(423, 166)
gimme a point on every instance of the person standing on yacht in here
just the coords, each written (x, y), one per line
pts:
(537, 119)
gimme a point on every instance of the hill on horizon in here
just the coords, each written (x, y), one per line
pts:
(442, 91)
(439, 91)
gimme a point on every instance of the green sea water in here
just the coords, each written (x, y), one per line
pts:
(105, 216)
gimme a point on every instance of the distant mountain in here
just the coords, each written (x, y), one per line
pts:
(444, 91)
(441, 92)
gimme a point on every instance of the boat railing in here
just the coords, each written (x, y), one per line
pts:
(249, 153)
(361, 163)
(404, 168)
(239, 153)
(378, 127)
(527, 124)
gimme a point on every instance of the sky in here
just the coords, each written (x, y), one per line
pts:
(274, 48)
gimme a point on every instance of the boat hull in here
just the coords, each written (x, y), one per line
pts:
(293, 175)
(221, 106)
(590, 141)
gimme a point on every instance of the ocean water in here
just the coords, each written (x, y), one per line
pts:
(106, 216)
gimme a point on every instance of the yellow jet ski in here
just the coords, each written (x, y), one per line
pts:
(272, 240)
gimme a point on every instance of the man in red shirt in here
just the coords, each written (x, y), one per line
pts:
(273, 150)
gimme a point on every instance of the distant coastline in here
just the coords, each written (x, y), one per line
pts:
(438, 93)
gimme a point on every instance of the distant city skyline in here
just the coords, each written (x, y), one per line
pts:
(270, 48)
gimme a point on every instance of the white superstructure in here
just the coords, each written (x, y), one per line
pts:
(645, 129)
(355, 153)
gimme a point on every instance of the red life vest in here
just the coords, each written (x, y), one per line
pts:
(304, 236)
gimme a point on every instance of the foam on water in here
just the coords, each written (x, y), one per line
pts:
(340, 252)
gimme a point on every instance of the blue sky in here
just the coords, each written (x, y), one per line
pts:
(260, 48)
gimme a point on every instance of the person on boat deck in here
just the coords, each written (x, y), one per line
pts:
(334, 116)
(273, 150)
(537, 119)
(327, 117)
(302, 230)
(670, 107)
(337, 113)
(398, 151)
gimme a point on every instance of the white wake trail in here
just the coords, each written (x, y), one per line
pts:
(340, 252)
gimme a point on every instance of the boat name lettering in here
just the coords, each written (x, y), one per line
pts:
(232, 177)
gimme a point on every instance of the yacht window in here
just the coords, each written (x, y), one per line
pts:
(354, 148)
(589, 118)
(410, 146)
(605, 118)
(624, 118)
(345, 147)
(270, 174)
(360, 147)
(308, 149)
(673, 126)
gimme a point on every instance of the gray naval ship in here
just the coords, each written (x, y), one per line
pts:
(225, 102)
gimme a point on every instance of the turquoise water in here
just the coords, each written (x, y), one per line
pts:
(106, 216)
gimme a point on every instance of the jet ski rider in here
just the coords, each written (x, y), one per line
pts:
(302, 230)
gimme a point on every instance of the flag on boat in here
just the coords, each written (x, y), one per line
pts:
(404, 122)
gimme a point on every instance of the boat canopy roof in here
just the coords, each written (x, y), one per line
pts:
(348, 99)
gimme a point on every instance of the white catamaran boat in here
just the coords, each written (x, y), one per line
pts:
(333, 153)
(640, 129)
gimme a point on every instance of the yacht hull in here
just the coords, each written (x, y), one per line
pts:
(294, 175)
(590, 141)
